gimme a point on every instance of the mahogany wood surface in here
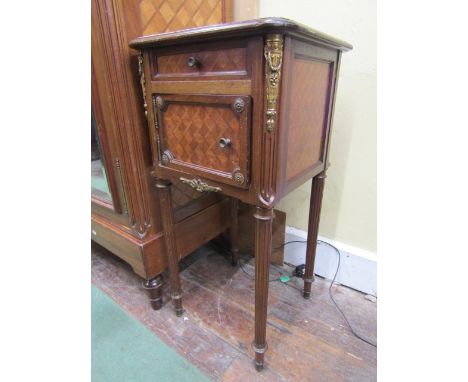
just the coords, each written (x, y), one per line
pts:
(314, 219)
(130, 226)
(246, 241)
(202, 226)
(290, 85)
(164, 191)
(243, 28)
(264, 217)
(307, 107)
(307, 103)
(202, 62)
(234, 231)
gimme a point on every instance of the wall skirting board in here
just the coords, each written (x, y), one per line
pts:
(358, 269)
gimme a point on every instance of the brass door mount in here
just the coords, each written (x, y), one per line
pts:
(199, 185)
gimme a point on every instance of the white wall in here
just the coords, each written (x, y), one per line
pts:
(349, 204)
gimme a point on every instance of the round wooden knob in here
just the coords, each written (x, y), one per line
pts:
(224, 142)
(192, 62)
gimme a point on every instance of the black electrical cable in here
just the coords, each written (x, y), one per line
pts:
(292, 286)
(329, 289)
(289, 242)
(331, 285)
(331, 295)
(252, 277)
(243, 270)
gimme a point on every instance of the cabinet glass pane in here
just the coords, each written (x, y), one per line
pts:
(99, 185)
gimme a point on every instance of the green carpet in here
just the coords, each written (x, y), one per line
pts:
(123, 349)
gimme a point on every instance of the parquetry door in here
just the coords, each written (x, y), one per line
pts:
(206, 134)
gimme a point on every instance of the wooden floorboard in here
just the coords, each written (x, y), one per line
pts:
(308, 339)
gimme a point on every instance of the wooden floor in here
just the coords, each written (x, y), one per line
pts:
(308, 339)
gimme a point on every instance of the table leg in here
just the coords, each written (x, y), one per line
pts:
(263, 224)
(234, 232)
(165, 201)
(314, 218)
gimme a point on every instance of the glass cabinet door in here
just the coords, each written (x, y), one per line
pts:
(99, 183)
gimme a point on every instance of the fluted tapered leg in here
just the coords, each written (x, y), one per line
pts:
(154, 288)
(263, 224)
(314, 219)
(234, 232)
(165, 200)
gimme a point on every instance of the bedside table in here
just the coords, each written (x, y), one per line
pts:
(243, 109)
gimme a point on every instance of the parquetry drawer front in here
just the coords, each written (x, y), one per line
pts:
(206, 135)
(204, 61)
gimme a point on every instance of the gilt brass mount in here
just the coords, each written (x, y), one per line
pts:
(160, 102)
(199, 185)
(239, 178)
(121, 186)
(238, 105)
(141, 72)
(166, 157)
(273, 62)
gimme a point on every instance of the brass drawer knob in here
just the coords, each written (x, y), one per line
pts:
(192, 62)
(224, 142)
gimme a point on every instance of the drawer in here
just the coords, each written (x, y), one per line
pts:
(205, 135)
(200, 61)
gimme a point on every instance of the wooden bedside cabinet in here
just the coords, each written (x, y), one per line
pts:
(243, 109)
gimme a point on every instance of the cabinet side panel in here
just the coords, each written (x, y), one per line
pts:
(307, 114)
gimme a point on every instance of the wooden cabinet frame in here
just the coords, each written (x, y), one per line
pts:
(130, 226)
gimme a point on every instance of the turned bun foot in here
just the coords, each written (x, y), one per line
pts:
(154, 288)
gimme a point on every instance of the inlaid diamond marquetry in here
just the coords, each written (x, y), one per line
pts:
(169, 15)
(187, 129)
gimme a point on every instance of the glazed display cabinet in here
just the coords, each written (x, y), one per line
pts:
(125, 207)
